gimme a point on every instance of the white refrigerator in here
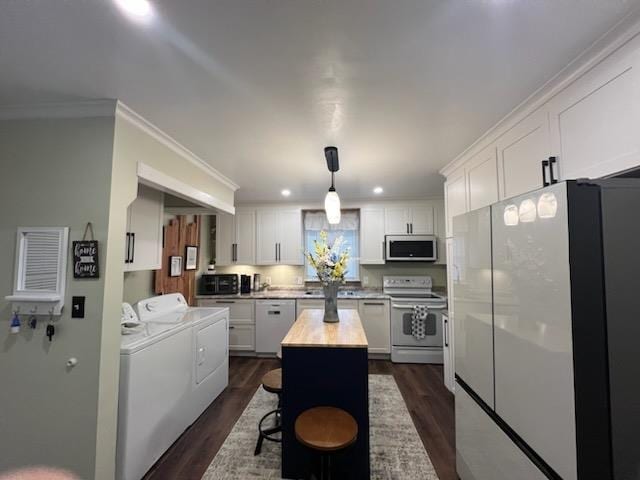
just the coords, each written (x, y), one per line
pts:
(547, 307)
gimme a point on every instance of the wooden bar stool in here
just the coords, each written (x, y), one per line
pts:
(272, 383)
(326, 430)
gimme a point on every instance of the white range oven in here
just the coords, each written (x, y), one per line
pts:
(408, 345)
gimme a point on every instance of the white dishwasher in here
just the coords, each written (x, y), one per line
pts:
(274, 318)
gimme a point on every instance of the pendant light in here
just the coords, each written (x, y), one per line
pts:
(332, 200)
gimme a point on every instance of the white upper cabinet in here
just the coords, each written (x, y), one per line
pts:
(143, 248)
(290, 247)
(482, 178)
(405, 219)
(422, 219)
(266, 237)
(521, 151)
(279, 237)
(595, 121)
(455, 197)
(396, 220)
(245, 230)
(225, 239)
(372, 235)
(235, 238)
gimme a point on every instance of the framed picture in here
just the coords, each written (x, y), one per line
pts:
(191, 258)
(175, 266)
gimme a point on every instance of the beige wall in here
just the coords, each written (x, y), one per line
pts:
(134, 144)
(138, 285)
(54, 173)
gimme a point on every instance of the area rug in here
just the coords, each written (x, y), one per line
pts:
(397, 453)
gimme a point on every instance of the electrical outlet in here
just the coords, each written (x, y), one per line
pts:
(365, 280)
(298, 280)
(267, 280)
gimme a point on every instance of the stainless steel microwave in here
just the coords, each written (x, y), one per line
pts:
(411, 248)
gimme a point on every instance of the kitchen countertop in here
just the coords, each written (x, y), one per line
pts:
(312, 293)
(310, 330)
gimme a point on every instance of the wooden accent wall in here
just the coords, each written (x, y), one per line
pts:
(177, 236)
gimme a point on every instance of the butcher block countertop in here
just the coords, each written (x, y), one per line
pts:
(310, 330)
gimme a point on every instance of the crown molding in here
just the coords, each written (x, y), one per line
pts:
(128, 114)
(615, 38)
(74, 109)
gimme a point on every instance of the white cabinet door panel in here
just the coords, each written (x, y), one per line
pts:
(595, 122)
(225, 238)
(266, 237)
(375, 317)
(482, 178)
(521, 151)
(533, 331)
(421, 220)
(455, 196)
(290, 248)
(145, 225)
(396, 220)
(242, 337)
(372, 235)
(245, 235)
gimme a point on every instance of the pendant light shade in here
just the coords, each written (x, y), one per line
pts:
(332, 200)
(332, 207)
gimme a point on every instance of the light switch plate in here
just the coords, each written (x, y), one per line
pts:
(77, 307)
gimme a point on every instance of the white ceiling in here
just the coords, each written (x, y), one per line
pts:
(259, 87)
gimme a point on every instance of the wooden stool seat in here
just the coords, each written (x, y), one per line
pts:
(326, 429)
(272, 381)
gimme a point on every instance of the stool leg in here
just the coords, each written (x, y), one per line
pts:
(259, 444)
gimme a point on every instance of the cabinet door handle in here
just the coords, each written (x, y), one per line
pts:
(545, 165)
(231, 327)
(128, 252)
(411, 224)
(279, 253)
(374, 303)
(552, 161)
(276, 245)
(133, 247)
(446, 332)
(225, 301)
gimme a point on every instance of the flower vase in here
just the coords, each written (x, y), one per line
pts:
(331, 302)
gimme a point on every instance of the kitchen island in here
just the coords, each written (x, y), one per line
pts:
(325, 364)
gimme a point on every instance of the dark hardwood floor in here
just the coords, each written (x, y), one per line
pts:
(428, 401)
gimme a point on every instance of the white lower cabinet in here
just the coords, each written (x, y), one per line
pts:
(242, 323)
(483, 450)
(376, 320)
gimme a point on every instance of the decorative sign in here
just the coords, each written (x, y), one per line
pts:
(191, 256)
(175, 266)
(85, 256)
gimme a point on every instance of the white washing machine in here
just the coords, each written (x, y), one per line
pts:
(170, 371)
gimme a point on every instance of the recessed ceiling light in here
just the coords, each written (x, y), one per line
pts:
(378, 190)
(137, 9)
(286, 192)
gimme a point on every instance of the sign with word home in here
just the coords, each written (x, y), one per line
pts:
(85, 259)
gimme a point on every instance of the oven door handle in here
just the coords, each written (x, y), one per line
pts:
(410, 307)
